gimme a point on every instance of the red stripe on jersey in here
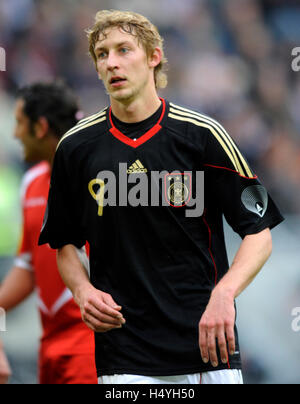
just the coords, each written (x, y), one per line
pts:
(234, 171)
(209, 247)
(215, 266)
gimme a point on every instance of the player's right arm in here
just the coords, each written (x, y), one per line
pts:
(18, 284)
(98, 309)
(63, 230)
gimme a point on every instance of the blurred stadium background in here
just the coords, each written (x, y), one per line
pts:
(228, 58)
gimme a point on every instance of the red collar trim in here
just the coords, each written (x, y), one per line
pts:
(142, 139)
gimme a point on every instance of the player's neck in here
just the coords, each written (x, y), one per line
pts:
(136, 110)
(50, 150)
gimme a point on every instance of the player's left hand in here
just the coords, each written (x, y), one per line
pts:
(217, 325)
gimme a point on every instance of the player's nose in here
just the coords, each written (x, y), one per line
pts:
(112, 61)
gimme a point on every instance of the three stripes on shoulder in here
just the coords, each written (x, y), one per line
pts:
(232, 151)
(85, 123)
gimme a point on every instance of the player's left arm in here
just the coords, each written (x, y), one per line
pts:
(233, 189)
(217, 322)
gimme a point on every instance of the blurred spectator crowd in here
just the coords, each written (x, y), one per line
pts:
(231, 59)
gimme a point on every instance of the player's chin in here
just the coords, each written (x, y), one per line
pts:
(121, 95)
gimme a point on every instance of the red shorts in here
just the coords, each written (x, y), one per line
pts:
(68, 369)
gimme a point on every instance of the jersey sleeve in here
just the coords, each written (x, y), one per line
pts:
(62, 221)
(234, 188)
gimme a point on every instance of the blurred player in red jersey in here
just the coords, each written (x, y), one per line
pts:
(44, 112)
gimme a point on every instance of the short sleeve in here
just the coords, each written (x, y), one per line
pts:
(62, 221)
(234, 188)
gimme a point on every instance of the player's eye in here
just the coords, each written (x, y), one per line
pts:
(101, 55)
(124, 50)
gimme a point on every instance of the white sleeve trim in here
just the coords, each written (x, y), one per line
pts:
(24, 261)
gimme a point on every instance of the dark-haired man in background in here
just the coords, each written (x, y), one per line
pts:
(44, 112)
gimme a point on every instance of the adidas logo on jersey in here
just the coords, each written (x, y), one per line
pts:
(137, 167)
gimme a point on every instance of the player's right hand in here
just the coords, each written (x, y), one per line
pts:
(5, 371)
(98, 310)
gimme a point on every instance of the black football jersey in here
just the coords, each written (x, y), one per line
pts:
(151, 207)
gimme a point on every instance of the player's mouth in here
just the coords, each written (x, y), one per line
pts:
(117, 81)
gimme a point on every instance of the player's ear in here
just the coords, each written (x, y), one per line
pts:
(41, 128)
(155, 58)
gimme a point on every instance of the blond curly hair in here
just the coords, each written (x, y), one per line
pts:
(134, 24)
